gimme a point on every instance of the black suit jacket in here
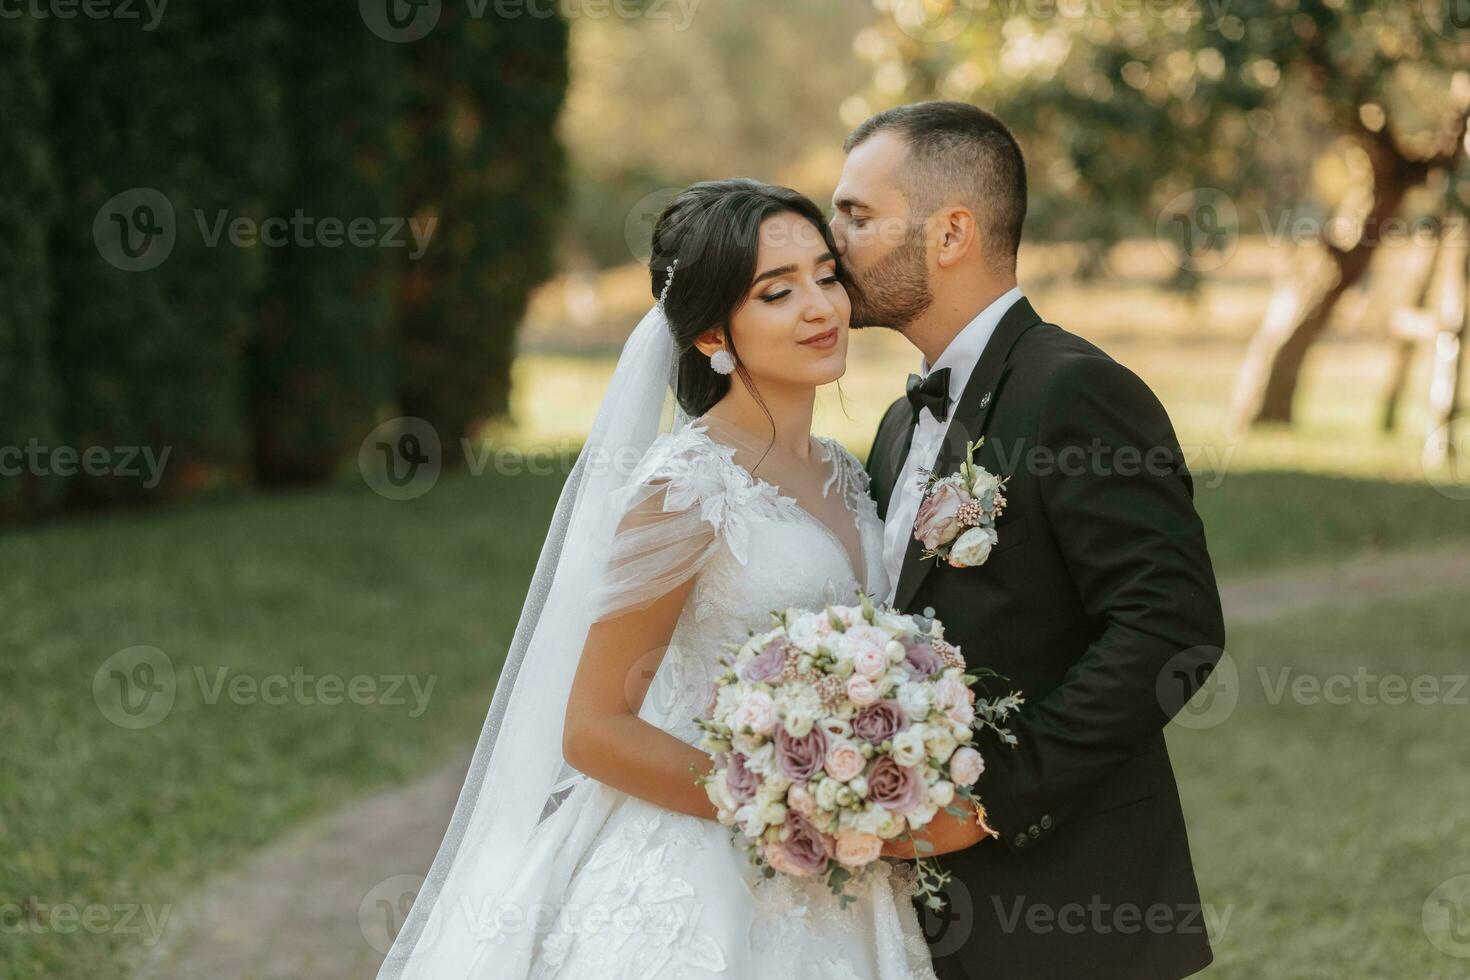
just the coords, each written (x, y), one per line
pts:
(1099, 603)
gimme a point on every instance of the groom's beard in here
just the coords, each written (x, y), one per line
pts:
(895, 292)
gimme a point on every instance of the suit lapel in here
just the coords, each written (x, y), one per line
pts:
(971, 415)
(905, 440)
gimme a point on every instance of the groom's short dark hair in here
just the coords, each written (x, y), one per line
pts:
(959, 153)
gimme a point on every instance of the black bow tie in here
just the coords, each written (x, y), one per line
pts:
(931, 392)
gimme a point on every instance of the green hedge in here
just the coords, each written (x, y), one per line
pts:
(186, 114)
(321, 351)
(484, 96)
(28, 396)
(263, 363)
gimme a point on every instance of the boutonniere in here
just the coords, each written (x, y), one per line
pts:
(957, 513)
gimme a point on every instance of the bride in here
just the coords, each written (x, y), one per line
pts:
(582, 845)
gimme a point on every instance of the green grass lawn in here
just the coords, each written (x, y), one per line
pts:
(336, 582)
(1321, 828)
(339, 583)
(1258, 521)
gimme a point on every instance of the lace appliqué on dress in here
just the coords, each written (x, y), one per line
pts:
(645, 927)
(848, 476)
(794, 917)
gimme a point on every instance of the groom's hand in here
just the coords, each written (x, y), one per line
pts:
(946, 832)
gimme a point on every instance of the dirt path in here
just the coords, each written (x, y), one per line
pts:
(320, 903)
(317, 903)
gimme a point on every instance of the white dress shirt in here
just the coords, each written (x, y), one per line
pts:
(961, 356)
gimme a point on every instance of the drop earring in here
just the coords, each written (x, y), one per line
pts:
(722, 361)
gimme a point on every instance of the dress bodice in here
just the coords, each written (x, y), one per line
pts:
(770, 554)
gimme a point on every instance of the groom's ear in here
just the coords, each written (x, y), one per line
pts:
(956, 235)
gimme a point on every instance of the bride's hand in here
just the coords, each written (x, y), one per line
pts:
(946, 832)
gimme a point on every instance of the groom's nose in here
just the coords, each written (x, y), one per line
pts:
(821, 306)
(838, 237)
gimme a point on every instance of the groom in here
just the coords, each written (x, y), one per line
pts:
(1097, 600)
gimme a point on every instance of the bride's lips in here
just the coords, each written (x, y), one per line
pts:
(822, 341)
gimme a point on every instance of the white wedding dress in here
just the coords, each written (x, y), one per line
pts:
(615, 888)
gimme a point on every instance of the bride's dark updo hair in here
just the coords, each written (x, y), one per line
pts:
(713, 229)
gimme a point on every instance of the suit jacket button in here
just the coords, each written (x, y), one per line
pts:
(1034, 831)
(1046, 821)
(1020, 840)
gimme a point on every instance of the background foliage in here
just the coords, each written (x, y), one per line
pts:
(255, 362)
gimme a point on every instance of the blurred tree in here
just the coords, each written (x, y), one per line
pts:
(744, 89)
(1171, 117)
(321, 357)
(241, 233)
(27, 382)
(157, 138)
(485, 166)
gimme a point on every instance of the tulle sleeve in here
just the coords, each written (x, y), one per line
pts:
(681, 507)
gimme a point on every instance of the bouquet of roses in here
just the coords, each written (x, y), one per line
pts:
(842, 728)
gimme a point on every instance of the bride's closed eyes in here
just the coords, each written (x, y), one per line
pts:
(827, 281)
(827, 278)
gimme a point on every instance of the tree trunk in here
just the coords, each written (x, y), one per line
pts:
(1407, 344)
(1301, 309)
(1449, 358)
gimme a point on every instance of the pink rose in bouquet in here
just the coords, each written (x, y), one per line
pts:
(742, 782)
(800, 758)
(856, 849)
(806, 847)
(844, 760)
(895, 787)
(880, 721)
